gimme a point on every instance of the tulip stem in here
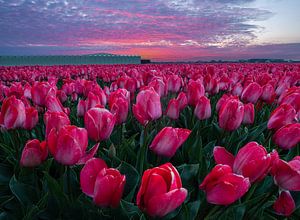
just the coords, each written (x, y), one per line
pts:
(69, 181)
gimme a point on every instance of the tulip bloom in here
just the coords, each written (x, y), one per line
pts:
(55, 120)
(161, 191)
(147, 107)
(195, 90)
(252, 160)
(119, 102)
(173, 109)
(222, 187)
(12, 113)
(34, 153)
(105, 185)
(174, 83)
(268, 94)
(168, 140)
(251, 93)
(231, 114)
(68, 145)
(249, 114)
(288, 136)
(182, 101)
(287, 174)
(203, 108)
(281, 116)
(99, 123)
(32, 118)
(285, 204)
(40, 91)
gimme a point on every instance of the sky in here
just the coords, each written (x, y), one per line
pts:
(160, 30)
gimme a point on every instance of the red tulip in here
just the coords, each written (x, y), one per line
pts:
(119, 93)
(99, 123)
(252, 161)
(231, 114)
(161, 191)
(203, 109)
(105, 185)
(54, 105)
(68, 145)
(195, 90)
(249, 114)
(285, 204)
(287, 174)
(34, 153)
(288, 136)
(281, 116)
(120, 110)
(55, 120)
(173, 109)
(268, 94)
(147, 107)
(32, 118)
(222, 187)
(182, 101)
(12, 113)
(168, 140)
(40, 91)
(252, 93)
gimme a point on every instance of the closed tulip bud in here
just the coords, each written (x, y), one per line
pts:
(159, 87)
(268, 94)
(251, 93)
(222, 187)
(32, 118)
(287, 174)
(12, 113)
(231, 115)
(161, 191)
(168, 140)
(68, 145)
(249, 113)
(34, 153)
(105, 185)
(174, 83)
(120, 109)
(237, 89)
(119, 93)
(81, 108)
(252, 161)
(99, 123)
(285, 204)
(54, 105)
(147, 107)
(281, 116)
(182, 101)
(195, 90)
(40, 91)
(203, 108)
(173, 109)
(288, 136)
(55, 120)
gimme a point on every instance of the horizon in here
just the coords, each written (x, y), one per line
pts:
(208, 30)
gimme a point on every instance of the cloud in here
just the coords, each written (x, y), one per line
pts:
(128, 26)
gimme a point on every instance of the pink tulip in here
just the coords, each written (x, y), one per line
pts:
(161, 191)
(105, 185)
(268, 94)
(40, 91)
(12, 113)
(147, 107)
(55, 120)
(32, 118)
(231, 114)
(283, 115)
(203, 108)
(237, 89)
(195, 90)
(120, 110)
(222, 187)
(288, 136)
(99, 123)
(249, 114)
(251, 93)
(168, 140)
(68, 145)
(34, 153)
(173, 109)
(287, 174)
(285, 204)
(81, 108)
(182, 101)
(252, 161)
(174, 83)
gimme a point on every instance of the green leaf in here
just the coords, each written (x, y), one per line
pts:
(5, 174)
(25, 193)
(130, 209)
(132, 179)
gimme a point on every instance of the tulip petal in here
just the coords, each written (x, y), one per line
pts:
(222, 156)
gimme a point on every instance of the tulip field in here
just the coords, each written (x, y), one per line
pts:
(155, 141)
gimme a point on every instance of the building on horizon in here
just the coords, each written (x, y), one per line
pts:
(99, 58)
